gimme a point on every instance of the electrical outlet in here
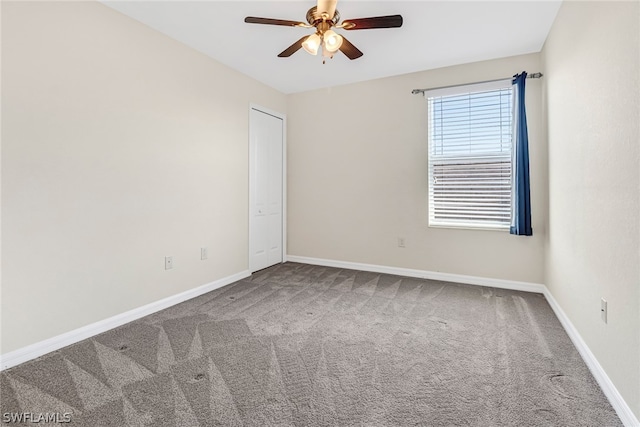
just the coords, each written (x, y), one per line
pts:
(603, 310)
(204, 253)
(168, 262)
(401, 242)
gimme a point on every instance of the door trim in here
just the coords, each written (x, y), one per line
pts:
(283, 117)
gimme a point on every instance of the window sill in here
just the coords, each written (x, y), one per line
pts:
(471, 227)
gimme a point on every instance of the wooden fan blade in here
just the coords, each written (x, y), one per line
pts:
(292, 49)
(270, 21)
(328, 6)
(349, 49)
(391, 21)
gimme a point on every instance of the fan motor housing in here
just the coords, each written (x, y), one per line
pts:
(314, 18)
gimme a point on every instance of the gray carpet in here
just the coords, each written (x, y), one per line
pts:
(304, 345)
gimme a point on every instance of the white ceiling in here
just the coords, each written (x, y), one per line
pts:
(435, 34)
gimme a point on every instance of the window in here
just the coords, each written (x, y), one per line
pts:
(470, 156)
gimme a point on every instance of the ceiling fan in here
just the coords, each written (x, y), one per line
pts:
(324, 17)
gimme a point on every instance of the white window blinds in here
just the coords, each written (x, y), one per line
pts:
(470, 156)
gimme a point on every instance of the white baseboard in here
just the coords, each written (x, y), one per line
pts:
(41, 348)
(424, 274)
(617, 401)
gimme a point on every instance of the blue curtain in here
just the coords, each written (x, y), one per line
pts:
(520, 194)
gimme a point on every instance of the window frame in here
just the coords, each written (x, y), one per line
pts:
(462, 90)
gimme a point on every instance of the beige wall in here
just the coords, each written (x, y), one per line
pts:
(360, 182)
(119, 146)
(591, 61)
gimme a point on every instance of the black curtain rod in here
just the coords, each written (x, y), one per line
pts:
(529, 76)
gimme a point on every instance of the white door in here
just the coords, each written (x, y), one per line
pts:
(266, 135)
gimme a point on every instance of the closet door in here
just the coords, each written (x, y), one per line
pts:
(266, 142)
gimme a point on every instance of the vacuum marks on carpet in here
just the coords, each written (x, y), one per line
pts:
(305, 345)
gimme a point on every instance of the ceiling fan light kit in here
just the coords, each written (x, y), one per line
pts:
(324, 17)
